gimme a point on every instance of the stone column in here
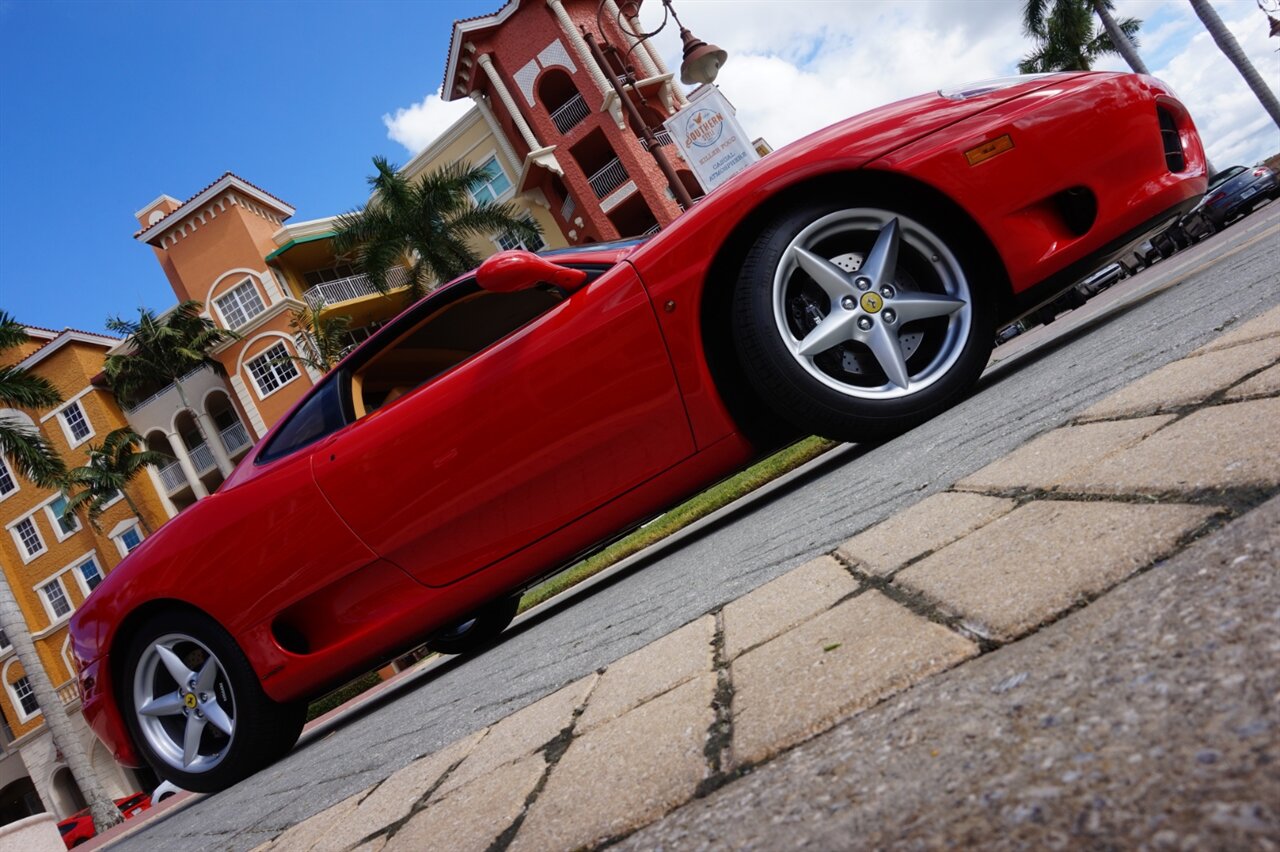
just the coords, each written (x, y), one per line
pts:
(188, 469)
(482, 104)
(486, 62)
(580, 47)
(220, 457)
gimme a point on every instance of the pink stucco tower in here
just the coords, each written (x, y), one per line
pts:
(550, 103)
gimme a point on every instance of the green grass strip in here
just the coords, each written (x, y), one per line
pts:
(695, 508)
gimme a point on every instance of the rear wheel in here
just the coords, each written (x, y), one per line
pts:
(477, 631)
(195, 706)
(859, 322)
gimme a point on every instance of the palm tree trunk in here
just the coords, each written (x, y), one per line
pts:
(1119, 39)
(105, 813)
(1231, 49)
(136, 511)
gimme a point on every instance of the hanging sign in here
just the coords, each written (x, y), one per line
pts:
(710, 138)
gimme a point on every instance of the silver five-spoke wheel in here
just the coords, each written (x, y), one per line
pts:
(871, 304)
(184, 703)
(858, 321)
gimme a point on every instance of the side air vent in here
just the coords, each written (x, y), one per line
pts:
(1171, 141)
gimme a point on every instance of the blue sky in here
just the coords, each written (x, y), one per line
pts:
(104, 106)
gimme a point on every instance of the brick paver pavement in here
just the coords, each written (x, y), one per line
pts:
(1021, 544)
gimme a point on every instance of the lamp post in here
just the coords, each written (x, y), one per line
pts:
(700, 65)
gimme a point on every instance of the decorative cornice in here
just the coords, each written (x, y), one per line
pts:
(228, 181)
(461, 29)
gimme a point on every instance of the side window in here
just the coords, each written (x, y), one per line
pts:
(464, 321)
(320, 416)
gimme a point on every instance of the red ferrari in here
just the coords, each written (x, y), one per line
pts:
(849, 285)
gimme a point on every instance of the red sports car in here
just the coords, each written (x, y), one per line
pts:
(848, 285)
(78, 828)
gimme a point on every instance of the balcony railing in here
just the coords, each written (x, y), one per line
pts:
(134, 406)
(202, 458)
(662, 136)
(571, 114)
(69, 692)
(351, 287)
(235, 437)
(605, 181)
(172, 477)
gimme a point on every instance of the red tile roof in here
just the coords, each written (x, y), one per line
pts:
(203, 189)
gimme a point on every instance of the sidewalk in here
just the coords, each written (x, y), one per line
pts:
(1074, 517)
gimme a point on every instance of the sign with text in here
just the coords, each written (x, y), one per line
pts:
(710, 138)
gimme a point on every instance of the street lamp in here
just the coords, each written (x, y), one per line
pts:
(701, 63)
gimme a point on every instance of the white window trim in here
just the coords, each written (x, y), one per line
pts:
(47, 505)
(510, 191)
(54, 619)
(253, 380)
(17, 703)
(72, 440)
(248, 279)
(12, 527)
(118, 531)
(13, 474)
(54, 412)
(80, 580)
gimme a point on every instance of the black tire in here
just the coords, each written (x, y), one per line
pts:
(478, 631)
(262, 730)
(845, 389)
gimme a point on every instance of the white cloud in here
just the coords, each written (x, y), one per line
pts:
(417, 126)
(797, 66)
(1232, 123)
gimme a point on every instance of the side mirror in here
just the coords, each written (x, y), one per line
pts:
(510, 271)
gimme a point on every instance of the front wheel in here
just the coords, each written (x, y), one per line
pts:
(195, 706)
(859, 322)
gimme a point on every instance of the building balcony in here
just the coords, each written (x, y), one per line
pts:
(352, 287)
(661, 135)
(572, 113)
(235, 438)
(160, 394)
(609, 178)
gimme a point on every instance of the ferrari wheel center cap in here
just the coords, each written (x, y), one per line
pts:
(190, 700)
(871, 302)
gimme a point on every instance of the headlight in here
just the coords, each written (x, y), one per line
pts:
(982, 87)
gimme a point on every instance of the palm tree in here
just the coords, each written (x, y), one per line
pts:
(1231, 48)
(423, 225)
(163, 350)
(105, 813)
(112, 465)
(26, 449)
(326, 337)
(33, 457)
(1066, 39)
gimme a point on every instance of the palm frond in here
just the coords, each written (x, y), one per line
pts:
(30, 454)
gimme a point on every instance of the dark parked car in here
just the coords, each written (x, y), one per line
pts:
(1240, 194)
(1194, 226)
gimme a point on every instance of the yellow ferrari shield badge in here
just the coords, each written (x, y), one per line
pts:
(871, 302)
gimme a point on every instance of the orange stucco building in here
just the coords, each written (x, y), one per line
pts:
(52, 562)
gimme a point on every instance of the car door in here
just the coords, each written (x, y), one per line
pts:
(516, 442)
